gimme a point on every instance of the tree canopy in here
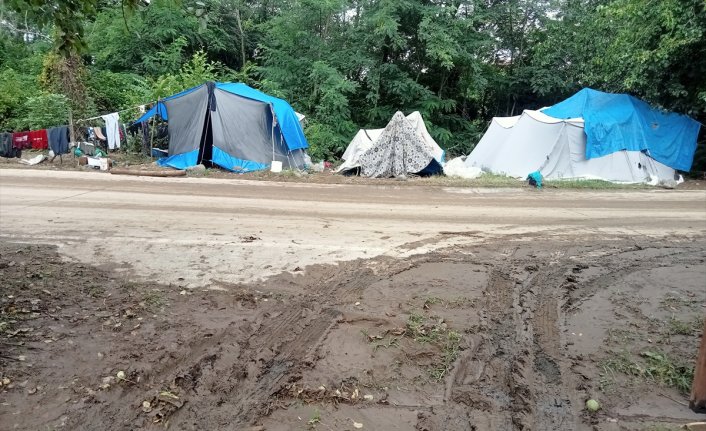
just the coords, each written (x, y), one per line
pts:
(348, 64)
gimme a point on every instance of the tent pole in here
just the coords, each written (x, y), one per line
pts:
(290, 157)
(272, 132)
(152, 131)
(152, 139)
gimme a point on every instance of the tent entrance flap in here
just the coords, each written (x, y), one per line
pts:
(206, 148)
(247, 129)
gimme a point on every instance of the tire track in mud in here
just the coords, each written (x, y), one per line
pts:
(252, 396)
(620, 270)
(283, 341)
(552, 406)
(512, 376)
(477, 393)
(551, 295)
(275, 353)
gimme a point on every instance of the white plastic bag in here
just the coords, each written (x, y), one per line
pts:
(457, 168)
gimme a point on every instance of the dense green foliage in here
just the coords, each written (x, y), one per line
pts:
(348, 64)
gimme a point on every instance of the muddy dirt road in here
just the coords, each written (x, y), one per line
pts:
(198, 231)
(384, 307)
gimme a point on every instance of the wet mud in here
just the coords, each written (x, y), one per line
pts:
(512, 334)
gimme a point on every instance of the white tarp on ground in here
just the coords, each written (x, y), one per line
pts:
(517, 146)
(365, 138)
(458, 168)
(34, 160)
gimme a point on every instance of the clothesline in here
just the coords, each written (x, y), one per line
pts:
(117, 112)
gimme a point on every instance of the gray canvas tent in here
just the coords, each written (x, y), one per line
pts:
(232, 126)
(517, 146)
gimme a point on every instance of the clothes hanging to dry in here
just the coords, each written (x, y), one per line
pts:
(20, 140)
(39, 139)
(112, 128)
(99, 133)
(59, 139)
(6, 147)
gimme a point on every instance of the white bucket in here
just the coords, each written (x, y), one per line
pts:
(276, 166)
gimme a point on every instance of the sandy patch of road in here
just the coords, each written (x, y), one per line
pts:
(191, 231)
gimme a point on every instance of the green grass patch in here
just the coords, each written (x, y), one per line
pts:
(450, 352)
(94, 290)
(154, 299)
(655, 366)
(680, 327)
(421, 330)
(621, 363)
(673, 301)
(665, 371)
(502, 181)
(314, 420)
(459, 302)
(426, 330)
(5, 326)
(485, 180)
(130, 286)
(131, 159)
(386, 343)
(621, 336)
(431, 300)
(591, 184)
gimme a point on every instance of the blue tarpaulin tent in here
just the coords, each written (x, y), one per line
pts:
(615, 122)
(230, 125)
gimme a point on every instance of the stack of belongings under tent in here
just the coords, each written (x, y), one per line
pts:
(56, 139)
(591, 135)
(404, 147)
(232, 126)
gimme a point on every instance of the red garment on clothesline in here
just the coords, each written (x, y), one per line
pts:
(21, 140)
(39, 139)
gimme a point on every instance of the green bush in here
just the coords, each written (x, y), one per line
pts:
(15, 89)
(113, 91)
(42, 111)
(324, 142)
(194, 72)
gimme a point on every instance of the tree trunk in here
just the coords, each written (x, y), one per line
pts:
(242, 37)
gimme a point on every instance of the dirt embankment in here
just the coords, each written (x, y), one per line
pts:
(512, 334)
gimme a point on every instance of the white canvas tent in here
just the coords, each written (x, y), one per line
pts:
(516, 146)
(365, 138)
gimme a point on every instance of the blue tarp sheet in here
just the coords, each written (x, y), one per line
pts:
(158, 108)
(180, 161)
(220, 158)
(234, 164)
(615, 122)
